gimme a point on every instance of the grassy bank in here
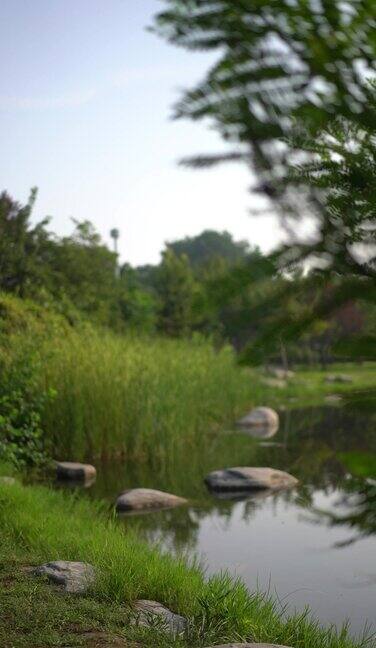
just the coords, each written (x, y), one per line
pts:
(118, 394)
(37, 524)
(103, 394)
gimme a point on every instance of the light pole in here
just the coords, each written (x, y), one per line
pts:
(115, 234)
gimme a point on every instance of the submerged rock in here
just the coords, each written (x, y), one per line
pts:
(258, 431)
(72, 484)
(243, 478)
(340, 378)
(147, 499)
(75, 577)
(333, 398)
(254, 496)
(274, 382)
(263, 417)
(280, 372)
(153, 614)
(75, 471)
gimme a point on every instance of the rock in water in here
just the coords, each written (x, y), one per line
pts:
(238, 479)
(340, 378)
(274, 382)
(260, 416)
(154, 614)
(147, 499)
(280, 372)
(75, 577)
(75, 471)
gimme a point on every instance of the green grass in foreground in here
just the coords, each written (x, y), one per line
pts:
(38, 524)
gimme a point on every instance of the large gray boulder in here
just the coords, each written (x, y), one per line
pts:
(75, 471)
(248, 645)
(75, 577)
(260, 417)
(249, 479)
(155, 615)
(147, 499)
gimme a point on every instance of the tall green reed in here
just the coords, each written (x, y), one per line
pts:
(146, 398)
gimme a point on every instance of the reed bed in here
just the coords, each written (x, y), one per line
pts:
(144, 398)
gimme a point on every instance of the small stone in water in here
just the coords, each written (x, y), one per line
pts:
(246, 478)
(75, 471)
(147, 499)
(263, 416)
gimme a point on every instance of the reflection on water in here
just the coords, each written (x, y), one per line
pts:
(316, 544)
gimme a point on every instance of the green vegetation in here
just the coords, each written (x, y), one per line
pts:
(292, 90)
(93, 392)
(100, 360)
(107, 394)
(80, 391)
(38, 524)
(278, 64)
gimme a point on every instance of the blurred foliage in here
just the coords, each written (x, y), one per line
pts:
(278, 62)
(292, 90)
(209, 283)
(210, 247)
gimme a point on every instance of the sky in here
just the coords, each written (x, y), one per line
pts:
(86, 100)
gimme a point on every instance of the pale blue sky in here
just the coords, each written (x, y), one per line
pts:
(85, 102)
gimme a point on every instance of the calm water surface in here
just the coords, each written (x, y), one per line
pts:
(312, 546)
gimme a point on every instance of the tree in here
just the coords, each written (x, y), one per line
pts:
(83, 269)
(279, 61)
(21, 246)
(210, 246)
(176, 288)
(138, 306)
(335, 182)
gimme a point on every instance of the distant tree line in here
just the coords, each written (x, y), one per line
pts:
(208, 284)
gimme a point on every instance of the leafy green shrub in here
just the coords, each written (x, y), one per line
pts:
(23, 326)
(21, 435)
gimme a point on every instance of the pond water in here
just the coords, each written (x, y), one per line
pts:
(315, 545)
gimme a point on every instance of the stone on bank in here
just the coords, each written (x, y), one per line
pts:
(153, 614)
(74, 577)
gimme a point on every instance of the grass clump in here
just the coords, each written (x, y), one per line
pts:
(143, 398)
(112, 394)
(87, 392)
(38, 524)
